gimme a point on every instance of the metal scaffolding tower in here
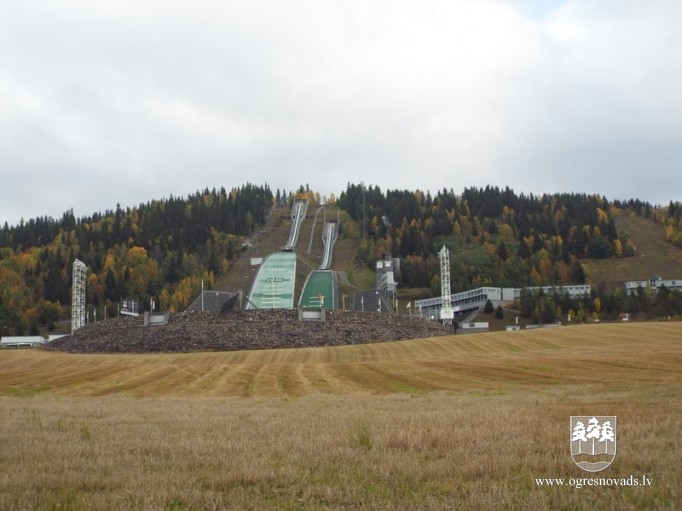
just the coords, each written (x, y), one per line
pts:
(78, 296)
(446, 312)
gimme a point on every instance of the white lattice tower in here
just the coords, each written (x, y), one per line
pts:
(78, 296)
(446, 313)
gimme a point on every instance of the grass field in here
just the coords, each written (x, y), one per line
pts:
(461, 422)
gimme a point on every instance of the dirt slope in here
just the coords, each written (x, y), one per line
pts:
(654, 256)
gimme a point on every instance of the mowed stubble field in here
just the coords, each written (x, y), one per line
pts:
(461, 422)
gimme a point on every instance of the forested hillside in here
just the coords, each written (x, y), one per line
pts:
(499, 238)
(165, 248)
(161, 249)
(673, 223)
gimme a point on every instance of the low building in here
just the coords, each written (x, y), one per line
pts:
(573, 290)
(216, 301)
(22, 341)
(653, 284)
(467, 302)
(632, 286)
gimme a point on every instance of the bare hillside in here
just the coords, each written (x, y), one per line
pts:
(654, 256)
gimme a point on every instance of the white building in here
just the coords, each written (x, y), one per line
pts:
(654, 284)
(468, 301)
(22, 341)
(385, 279)
(464, 302)
(574, 291)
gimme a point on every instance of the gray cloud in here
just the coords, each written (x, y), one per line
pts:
(122, 102)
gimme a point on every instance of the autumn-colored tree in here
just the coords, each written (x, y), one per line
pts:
(127, 250)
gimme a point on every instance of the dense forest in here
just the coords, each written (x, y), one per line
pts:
(162, 249)
(673, 223)
(165, 248)
(498, 238)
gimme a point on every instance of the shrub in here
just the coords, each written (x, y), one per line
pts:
(488, 307)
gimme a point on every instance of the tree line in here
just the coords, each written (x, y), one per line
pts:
(164, 248)
(499, 238)
(672, 222)
(553, 306)
(495, 236)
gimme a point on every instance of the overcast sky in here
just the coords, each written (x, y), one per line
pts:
(123, 102)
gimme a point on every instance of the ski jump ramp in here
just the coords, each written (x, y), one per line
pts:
(320, 286)
(298, 213)
(275, 282)
(329, 236)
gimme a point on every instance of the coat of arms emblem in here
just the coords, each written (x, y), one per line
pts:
(593, 441)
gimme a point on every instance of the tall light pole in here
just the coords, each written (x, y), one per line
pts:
(78, 311)
(364, 212)
(446, 312)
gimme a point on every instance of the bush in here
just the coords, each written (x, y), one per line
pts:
(488, 307)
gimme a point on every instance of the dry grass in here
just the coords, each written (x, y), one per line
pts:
(640, 352)
(466, 422)
(655, 256)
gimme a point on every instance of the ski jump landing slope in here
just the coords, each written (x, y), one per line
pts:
(275, 282)
(319, 290)
(320, 286)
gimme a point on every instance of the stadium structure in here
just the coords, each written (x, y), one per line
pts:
(274, 284)
(466, 303)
